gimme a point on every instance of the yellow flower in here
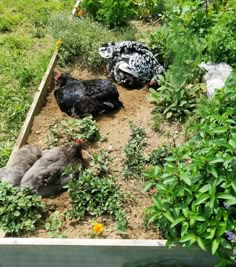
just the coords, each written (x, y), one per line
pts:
(98, 228)
(80, 13)
(58, 44)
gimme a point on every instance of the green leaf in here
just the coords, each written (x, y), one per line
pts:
(168, 115)
(157, 202)
(168, 216)
(201, 243)
(226, 196)
(177, 221)
(202, 199)
(215, 245)
(186, 179)
(187, 237)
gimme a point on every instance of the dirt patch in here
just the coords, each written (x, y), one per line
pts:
(115, 127)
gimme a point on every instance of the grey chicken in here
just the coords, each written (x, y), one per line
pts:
(22, 160)
(45, 176)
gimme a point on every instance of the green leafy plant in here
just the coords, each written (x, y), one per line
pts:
(195, 201)
(174, 101)
(134, 158)
(54, 225)
(67, 131)
(95, 193)
(20, 212)
(111, 13)
(82, 37)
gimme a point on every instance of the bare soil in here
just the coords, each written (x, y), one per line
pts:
(115, 127)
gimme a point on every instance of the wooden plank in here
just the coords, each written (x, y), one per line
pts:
(36, 105)
(27, 252)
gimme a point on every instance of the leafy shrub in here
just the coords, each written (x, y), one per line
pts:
(149, 8)
(19, 211)
(174, 101)
(95, 192)
(195, 200)
(81, 37)
(66, 131)
(134, 158)
(111, 13)
(221, 39)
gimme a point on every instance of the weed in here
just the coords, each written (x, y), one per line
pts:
(20, 212)
(54, 225)
(134, 158)
(67, 131)
(95, 192)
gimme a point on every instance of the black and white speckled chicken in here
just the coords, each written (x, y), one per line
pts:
(22, 160)
(130, 63)
(80, 97)
(45, 176)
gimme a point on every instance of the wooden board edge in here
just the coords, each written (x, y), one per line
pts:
(35, 106)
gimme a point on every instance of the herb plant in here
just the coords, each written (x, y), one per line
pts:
(20, 212)
(134, 158)
(95, 193)
(196, 187)
(174, 101)
(67, 131)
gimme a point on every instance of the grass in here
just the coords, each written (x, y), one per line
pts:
(26, 48)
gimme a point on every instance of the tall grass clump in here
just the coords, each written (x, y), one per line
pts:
(81, 37)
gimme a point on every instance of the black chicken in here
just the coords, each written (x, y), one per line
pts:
(80, 97)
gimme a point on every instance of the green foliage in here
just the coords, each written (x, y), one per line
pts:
(20, 212)
(54, 225)
(111, 13)
(115, 13)
(134, 158)
(95, 192)
(24, 59)
(196, 202)
(159, 155)
(174, 101)
(149, 8)
(67, 131)
(222, 39)
(82, 37)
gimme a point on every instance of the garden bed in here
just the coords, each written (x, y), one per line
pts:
(115, 128)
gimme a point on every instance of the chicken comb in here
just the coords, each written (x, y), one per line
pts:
(58, 75)
(79, 141)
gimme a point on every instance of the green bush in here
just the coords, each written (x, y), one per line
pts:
(111, 13)
(195, 201)
(221, 39)
(175, 102)
(95, 192)
(19, 211)
(81, 38)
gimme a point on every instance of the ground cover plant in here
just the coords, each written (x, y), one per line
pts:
(134, 157)
(26, 48)
(67, 131)
(20, 212)
(95, 192)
